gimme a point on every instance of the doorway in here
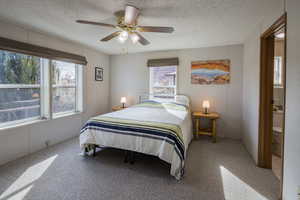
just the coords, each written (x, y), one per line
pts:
(272, 98)
(278, 102)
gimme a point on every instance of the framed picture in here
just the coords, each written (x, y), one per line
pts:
(210, 72)
(98, 74)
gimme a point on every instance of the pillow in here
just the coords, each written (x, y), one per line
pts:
(182, 99)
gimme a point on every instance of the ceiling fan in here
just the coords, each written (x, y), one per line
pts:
(127, 26)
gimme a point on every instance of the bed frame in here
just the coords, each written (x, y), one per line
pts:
(129, 155)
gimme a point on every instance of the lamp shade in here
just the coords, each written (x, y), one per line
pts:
(123, 99)
(205, 104)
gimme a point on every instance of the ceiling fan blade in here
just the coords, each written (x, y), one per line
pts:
(142, 40)
(111, 36)
(131, 14)
(95, 23)
(157, 29)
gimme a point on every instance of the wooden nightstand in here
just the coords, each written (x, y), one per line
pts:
(116, 108)
(211, 131)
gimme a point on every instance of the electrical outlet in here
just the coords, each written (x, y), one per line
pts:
(47, 143)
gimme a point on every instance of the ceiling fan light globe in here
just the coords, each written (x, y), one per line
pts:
(134, 38)
(121, 40)
(123, 36)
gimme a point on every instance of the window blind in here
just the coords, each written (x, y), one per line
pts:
(163, 62)
(34, 50)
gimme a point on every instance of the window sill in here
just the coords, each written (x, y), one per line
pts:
(21, 123)
(66, 114)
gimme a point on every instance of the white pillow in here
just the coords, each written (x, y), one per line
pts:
(182, 99)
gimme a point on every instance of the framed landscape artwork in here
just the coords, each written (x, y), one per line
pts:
(98, 74)
(210, 72)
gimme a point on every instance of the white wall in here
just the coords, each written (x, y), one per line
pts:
(17, 142)
(130, 78)
(292, 134)
(251, 74)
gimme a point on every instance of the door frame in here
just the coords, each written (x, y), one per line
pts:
(266, 94)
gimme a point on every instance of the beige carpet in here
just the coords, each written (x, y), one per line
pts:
(213, 172)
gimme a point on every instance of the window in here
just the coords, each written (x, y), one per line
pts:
(63, 87)
(24, 87)
(277, 71)
(19, 86)
(163, 81)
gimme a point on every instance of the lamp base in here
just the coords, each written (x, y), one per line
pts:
(123, 105)
(205, 110)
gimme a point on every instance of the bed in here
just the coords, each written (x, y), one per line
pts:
(158, 127)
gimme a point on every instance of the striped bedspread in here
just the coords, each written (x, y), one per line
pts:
(142, 128)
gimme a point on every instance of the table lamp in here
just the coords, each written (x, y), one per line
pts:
(205, 105)
(123, 101)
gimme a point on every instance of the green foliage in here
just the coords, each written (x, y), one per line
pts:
(56, 73)
(19, 69)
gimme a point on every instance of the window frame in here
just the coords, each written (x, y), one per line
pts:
(78, 94)
(45, 87)
(176, 82)
(22, 86)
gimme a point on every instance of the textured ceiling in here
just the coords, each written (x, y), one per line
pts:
(197, 23)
